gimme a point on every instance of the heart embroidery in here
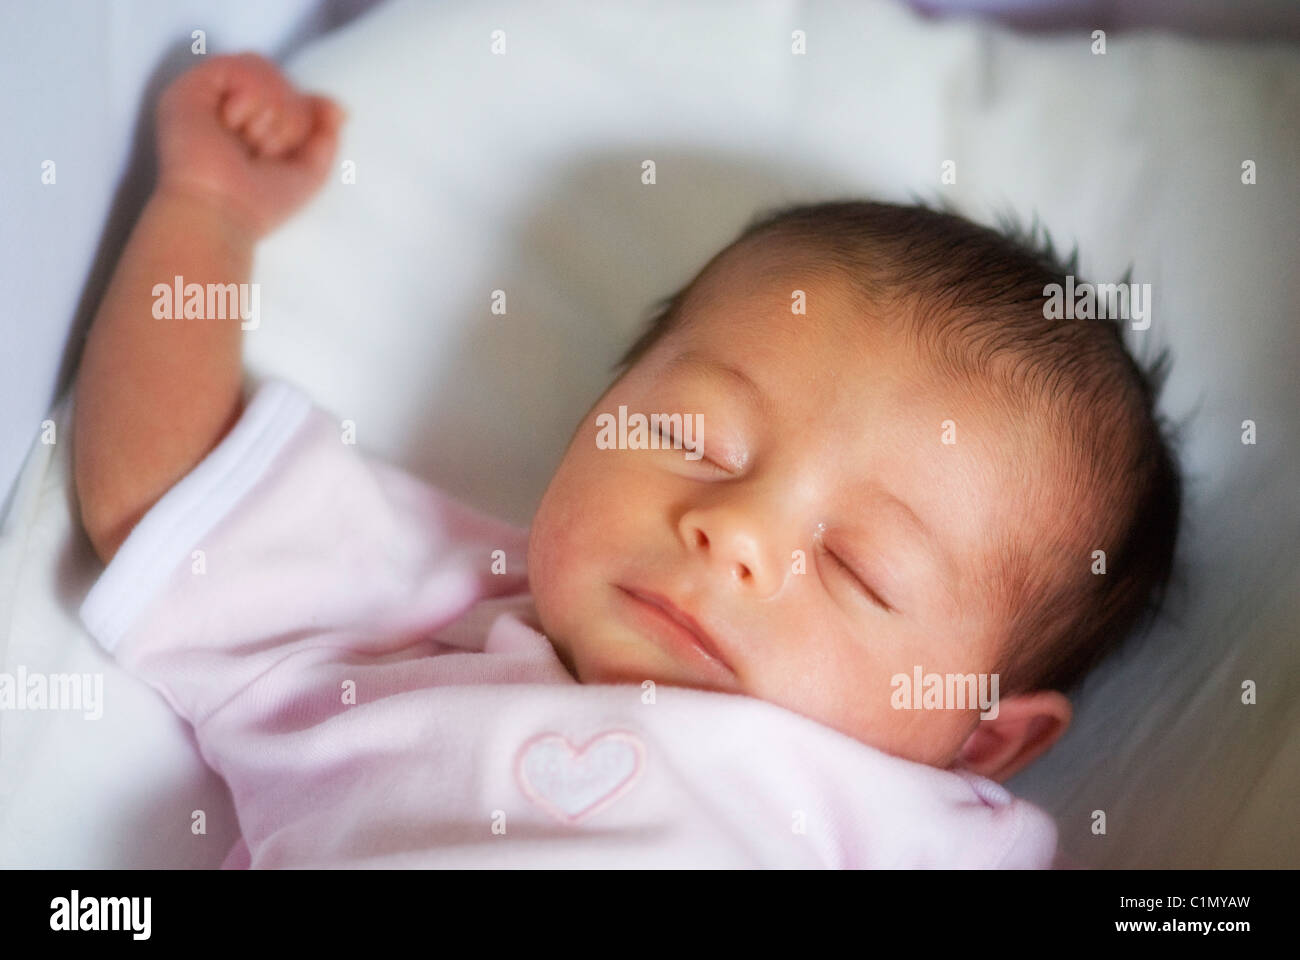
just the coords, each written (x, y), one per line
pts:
(571, 783)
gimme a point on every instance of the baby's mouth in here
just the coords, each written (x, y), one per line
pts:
(674, 627)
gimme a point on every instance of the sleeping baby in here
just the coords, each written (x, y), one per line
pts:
(816, 572)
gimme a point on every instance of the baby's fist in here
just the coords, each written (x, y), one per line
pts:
(233, 130)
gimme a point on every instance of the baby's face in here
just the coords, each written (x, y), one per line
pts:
(827, 539)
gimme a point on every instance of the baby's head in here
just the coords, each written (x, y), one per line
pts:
(905, 469)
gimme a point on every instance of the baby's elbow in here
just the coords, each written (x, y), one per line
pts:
(104, 531)
(106, 522)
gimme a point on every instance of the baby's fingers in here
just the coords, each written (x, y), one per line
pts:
(291, 126)
(317, 151)
(254, 92)
(239, 106)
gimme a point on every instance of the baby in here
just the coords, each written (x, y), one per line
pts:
(916, 513)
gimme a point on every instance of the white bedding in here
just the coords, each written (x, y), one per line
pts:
(522, 172)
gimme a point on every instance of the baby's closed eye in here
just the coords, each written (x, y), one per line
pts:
(859, 582)
(673, 437)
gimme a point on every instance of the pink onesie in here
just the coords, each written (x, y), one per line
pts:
(360, 660)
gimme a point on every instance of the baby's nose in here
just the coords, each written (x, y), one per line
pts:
(733, 550)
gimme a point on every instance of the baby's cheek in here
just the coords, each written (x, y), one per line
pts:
(550, 545)
(563, 548)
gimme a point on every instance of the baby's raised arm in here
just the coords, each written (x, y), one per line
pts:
(239, 151)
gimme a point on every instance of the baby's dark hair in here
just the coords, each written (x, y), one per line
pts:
(974, 299)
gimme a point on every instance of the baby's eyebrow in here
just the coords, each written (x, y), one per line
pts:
(693, 358)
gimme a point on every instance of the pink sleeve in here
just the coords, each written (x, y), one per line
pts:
(286, 542)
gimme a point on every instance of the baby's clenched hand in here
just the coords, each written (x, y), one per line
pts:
(235, 131)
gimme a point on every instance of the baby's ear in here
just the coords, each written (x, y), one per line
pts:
(1024, 729)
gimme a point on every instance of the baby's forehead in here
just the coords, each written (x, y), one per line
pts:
(789, 318)
(815, 346)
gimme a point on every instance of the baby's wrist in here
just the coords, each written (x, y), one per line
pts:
(203, 209)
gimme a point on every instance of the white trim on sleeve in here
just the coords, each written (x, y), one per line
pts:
(191, 508)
